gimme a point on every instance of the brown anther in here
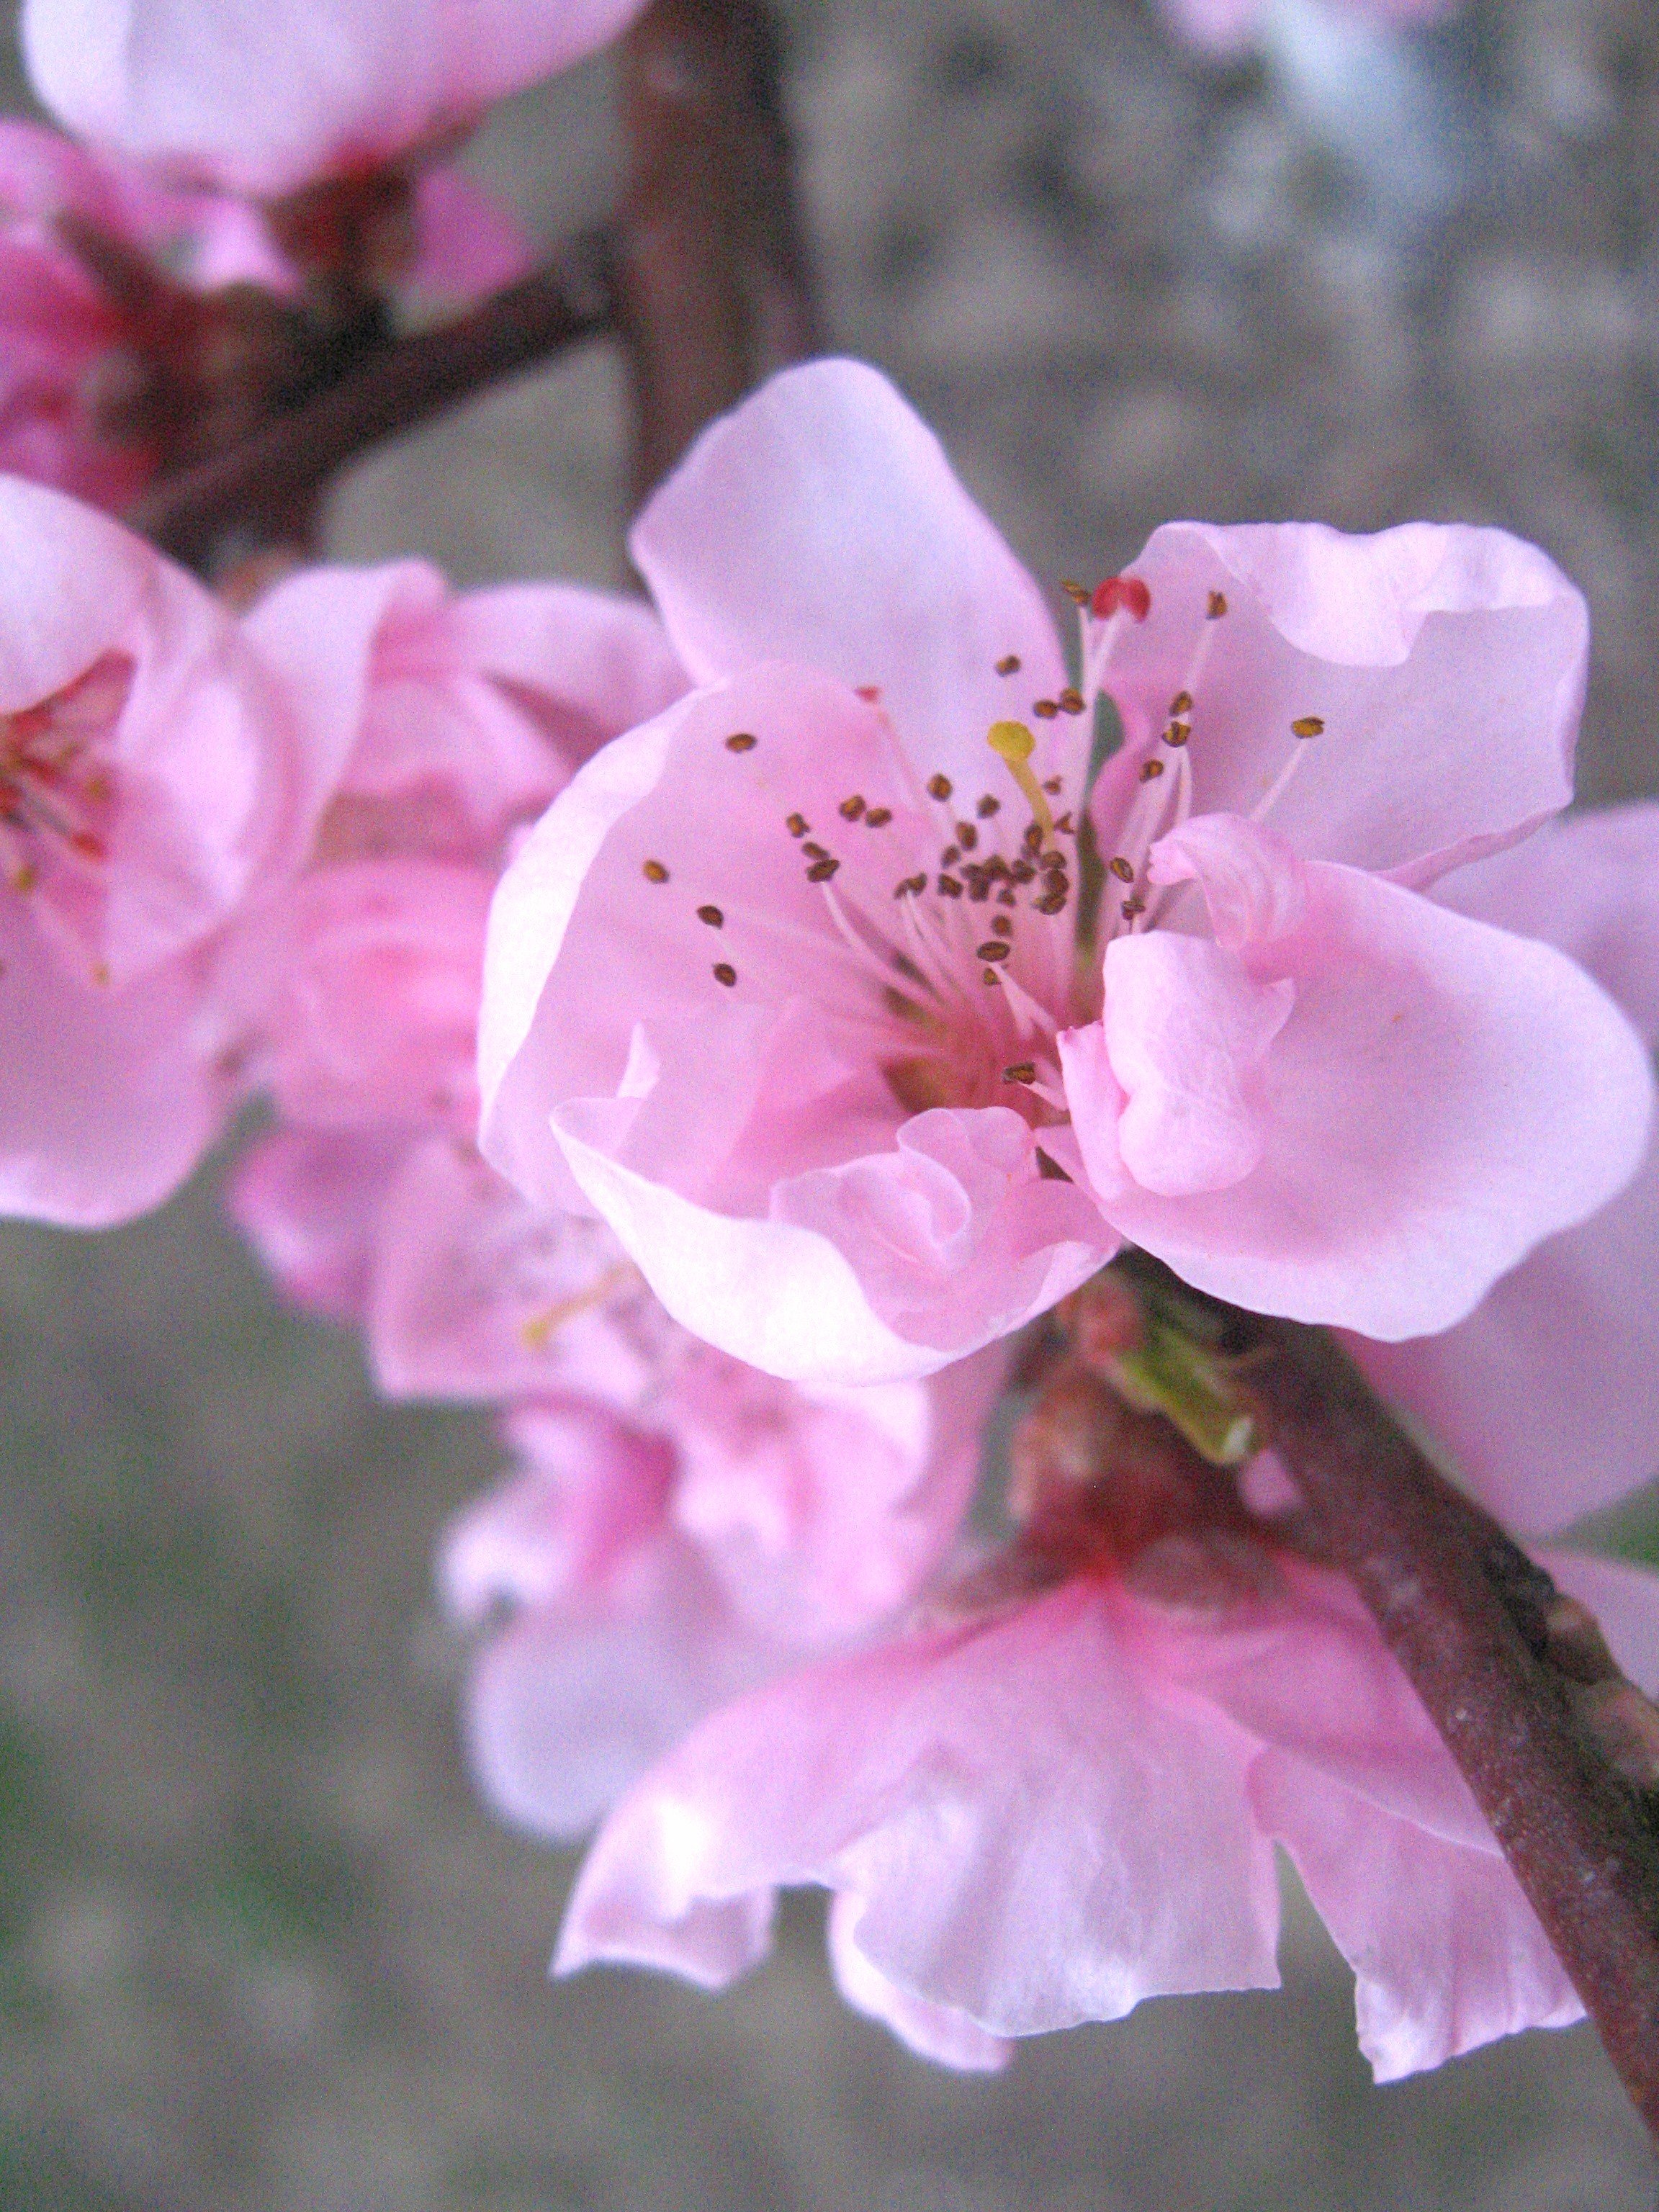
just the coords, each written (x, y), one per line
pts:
(1054, 786)
(815, 852)
(879, 818)
(850, 809)
(725, 973)
(1076, 592)
(1032, 840)
(1051, 860)
(1177, 733)
(1064, 827)
(742, 741)
(1182, 703)
(993, 949)
(950, 856)
(1004, 924)
(712, 915)
(1022, 872)
(1007, 895)
(1150, 770)
(1071, 701)
(967, 836)
(996, 866)
(978, 890)
(868, 692)
(821, 870)
(1308, 725)
(910, 887)
(1123, 869)
(1131, 908)
(949, 887)
(1045, 709)
(1009, 664)
(1218, 606)
(654, 872)
(988, 806)
(939, 786)
(989, 975)
(1052, 901)
(796, 825)
(1022, 1070)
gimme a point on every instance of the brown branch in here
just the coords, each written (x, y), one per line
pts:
(1514, 1676)
(712, 270)
(235, 498)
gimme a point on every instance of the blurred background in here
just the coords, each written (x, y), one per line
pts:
(261, 1950)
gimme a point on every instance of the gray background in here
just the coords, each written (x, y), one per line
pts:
(258, 1947)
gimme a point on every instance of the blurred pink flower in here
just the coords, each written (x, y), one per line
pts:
(1069, 1803)
(263, 96)
(159, 775)
(787, 983)
(1228, 28)
(654, 1567)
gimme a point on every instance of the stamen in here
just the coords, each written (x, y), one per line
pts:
(815, 852)
(1217, 607)
(1308, 725)
(1150, 771)
(868, 692)
(1123, 869)
(1004, 924)
(988, 806)
(877, 818)
(949, 887)
(1022, 1070)
(1125, 591)
(821, 870)
(994, 948)
(725, 973)
(1077, 594)
(654, 872)
(1071, 701)
(796, 825)
(850, 809)
(712, 915)
(967, 836)
(1014, 745)
(742, 741)
(939, 786)
(1045, 709)
(1009, 664)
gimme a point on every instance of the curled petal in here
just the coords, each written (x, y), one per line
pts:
(933, 2031)
(310, 1203)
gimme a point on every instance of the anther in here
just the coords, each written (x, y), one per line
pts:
(1052, 901)
(979, 890)
(796, 825)
(1045, 709)
(1022, 1070)
(712, 915)
(1308, 725)
(654, 872)
(815, 852)
(993, 949)
(1127, 591)
(950, 856)
(1009, 664)
(742, 741)
(1131, 908)
(909, 886)
(966, 835)
(1007, 895)
(1054, 785)
(1064, 827)
(1013, 744)
(988, 806)
(1004, 924)
(725, 973)
(1182, 703)
(1071, 701)
(1022, 872)
(1032, 840)
(1077, 594)
(949, 887)
(821, 870)
(939, 786)
(850, 809)
(877, 818)
(1177, 733)
(989, 975)
(1218, 606)
(868, 692)
(1123, 869)
(1150, 770)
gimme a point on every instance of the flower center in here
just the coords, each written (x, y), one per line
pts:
(59, 796)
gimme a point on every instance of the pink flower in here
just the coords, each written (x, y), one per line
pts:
(655, 1567)
(1228, 28)
(788, 984)
(262, 98)
(159, 775)
(1066, 1800)
(1546, 1399)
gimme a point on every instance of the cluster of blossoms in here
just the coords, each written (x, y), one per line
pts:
(732, 1040)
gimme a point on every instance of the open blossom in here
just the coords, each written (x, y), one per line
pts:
(1063, 1796)
(790, 984)
(160, 773)
(1546, 1401)
(265, 96)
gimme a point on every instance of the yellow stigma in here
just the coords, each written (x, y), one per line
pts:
(1014, 742)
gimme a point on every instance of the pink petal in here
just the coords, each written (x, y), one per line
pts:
(310, 1204)
(820, 522)
(467, 243)
(189, 84)
(1040, 1833)
(1446, 1950)
(1442, 1098)
(1446, 665)
(932, 2031)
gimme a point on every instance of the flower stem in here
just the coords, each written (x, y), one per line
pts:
(1497, 1657)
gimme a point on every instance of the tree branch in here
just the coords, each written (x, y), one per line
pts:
(1510, 1672)
(224, 506)
(712, 270)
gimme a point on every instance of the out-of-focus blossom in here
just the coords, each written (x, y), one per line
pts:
(1546, 1399)
(1228, 28)
(159, 775)
(654, 1567)
(1063, 1797)
(789, 983)
(265, 96)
